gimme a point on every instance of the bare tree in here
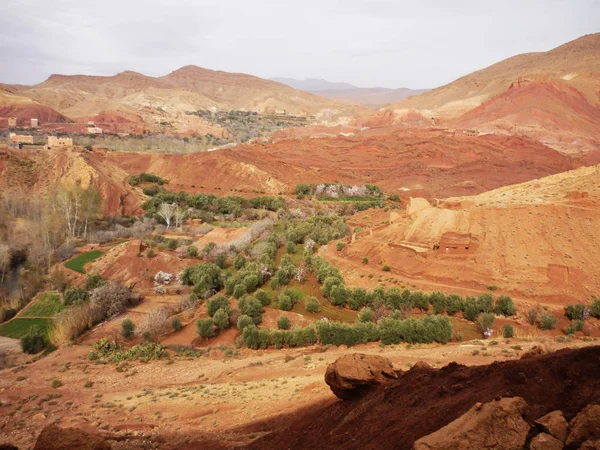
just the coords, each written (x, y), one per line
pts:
(76, 206)
(155, 324)
(167, 211)
(179, 216)
(4, 261)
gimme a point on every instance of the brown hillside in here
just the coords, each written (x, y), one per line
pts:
(168, 98)
(536, 240)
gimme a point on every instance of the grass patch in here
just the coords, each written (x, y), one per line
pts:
(47, 305)
(81, 260)
(17, 328)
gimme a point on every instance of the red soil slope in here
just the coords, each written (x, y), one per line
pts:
(552, 111)
(424, 400)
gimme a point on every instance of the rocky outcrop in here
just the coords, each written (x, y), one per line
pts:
(544, 441)
(495, 425)
(554, 424)
(53, 437)
(352, 375)
(585, 426)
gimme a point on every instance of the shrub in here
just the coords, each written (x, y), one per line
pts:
(221, 261)
(577, 325)
(283, 322)
(215, 303)
(365, 260)
(93, 281)
(386, 268)
(454, 304)
(507, 331)
(205, 327)
(366, 315)
(471, 311)
(578, 311)
(285, 302)
(56, 383)
(263, 297)
(413, 330)
(438, 301)
(150, 253)
(595, 308)
(176, 323)
(239, 262)
(155, 324)
(206, 278)
(485, 302)
(357, 298)
(111, 299)
(127, 328)
(290, 247)
(192, 251)
(312, 305)
(340, 246)
(548, 322)
(221, 319)
(532, 316)
(34, 341)
(75, 295)
(251, 306)
(485, 322)
(419, 300)
(244, 321)
(505, 306)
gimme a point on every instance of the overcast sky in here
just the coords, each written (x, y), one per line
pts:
(417, 44)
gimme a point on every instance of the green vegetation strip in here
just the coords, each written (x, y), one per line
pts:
(47, 305)
(81, 260)
(17, 328)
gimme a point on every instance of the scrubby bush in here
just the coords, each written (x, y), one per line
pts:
(283, 322)
(217, 302)
(34, 341)
(365, 260)
(263, 297)
(251, 306)
(111, 298)
(340, 246)
(221, 318)
(532, 316)
(578, 311)
(413, 330)
(221, 261)
(505, 306)
(366, 315)
(438, 301)
(192, 251)
(244, 321)
(75, 295)
(454, 304)
(507, 331)
(386, 268)
(127, 328)
(485, 321)
(285, 302)
(577, 325)
(312, 305)
(485, 302)
(548, 321)
(239, 262)
(206, 278)
(176, 323)
(419, 300)
(205, 327)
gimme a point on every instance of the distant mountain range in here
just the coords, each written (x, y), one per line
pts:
(374, 97)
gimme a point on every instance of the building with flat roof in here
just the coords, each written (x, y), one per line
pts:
(20, 138)
(54, 141)
(34, 123)
(12, 122)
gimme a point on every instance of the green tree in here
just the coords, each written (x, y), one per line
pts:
(221, 319)
(283, 322)
(312, 305)
(505, 306)
(205, 327)
(176, 323)
(127, 328)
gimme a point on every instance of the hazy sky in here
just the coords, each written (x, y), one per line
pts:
(417, 44)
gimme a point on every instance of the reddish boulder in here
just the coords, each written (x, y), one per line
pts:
(544, 441)
(590, 445)
(351, 375)
(495, 425)
(554, 424)
(585, 426)
(53, 437)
